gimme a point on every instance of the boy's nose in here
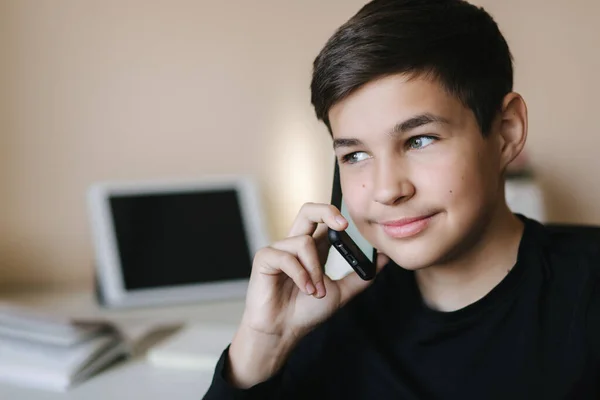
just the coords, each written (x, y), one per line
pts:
(391, 184)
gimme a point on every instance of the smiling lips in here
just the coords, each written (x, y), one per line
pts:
(406, 227)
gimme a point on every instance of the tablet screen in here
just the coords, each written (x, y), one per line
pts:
(180, 238)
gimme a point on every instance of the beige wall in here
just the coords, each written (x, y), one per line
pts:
(132, 89)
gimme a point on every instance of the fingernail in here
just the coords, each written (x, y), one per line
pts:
(320, 290)
(340, 220)
(310, 289)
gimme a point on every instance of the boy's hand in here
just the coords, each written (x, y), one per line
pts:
(289, 294)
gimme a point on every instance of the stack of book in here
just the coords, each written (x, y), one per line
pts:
(54, 353)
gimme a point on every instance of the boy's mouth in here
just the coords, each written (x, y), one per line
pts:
(406, 227)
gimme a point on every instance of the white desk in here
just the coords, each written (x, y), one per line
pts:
(132, 379)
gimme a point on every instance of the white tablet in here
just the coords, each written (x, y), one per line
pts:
(169, 242)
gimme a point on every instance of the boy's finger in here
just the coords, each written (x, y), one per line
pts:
(272, 261)
(313, 214)
(303, 248)
(350, 286)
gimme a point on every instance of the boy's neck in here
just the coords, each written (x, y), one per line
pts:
(469, 277)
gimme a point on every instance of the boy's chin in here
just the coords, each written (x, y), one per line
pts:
(414, 266)
(418, 260)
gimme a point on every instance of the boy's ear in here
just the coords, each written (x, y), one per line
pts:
(512, 131)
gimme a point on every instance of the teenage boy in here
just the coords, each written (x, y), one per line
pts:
(471, 301)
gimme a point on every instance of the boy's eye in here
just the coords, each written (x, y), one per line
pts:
(355, 157)
(419, 142)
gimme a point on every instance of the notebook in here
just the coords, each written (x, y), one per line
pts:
(194, 347)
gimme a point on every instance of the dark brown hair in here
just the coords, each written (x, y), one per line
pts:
(452, 41)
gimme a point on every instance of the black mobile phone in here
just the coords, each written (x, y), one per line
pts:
(349, 243)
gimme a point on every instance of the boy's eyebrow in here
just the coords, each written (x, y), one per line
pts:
(337, 143)
(399, 128)
(417, 121)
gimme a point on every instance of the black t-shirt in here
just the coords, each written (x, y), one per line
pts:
(536, 335)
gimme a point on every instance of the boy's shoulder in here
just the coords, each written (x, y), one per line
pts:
(578, 236)
(574, 254)
(573, 245)
(570, 259)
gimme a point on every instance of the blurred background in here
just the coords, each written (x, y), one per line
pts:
(136, 90)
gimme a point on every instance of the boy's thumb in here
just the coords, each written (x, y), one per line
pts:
(382, 261)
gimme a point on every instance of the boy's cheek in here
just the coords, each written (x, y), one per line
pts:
(444, 181)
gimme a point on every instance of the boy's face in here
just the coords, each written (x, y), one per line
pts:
(408, 150)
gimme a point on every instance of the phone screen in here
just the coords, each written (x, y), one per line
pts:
(336, 266)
